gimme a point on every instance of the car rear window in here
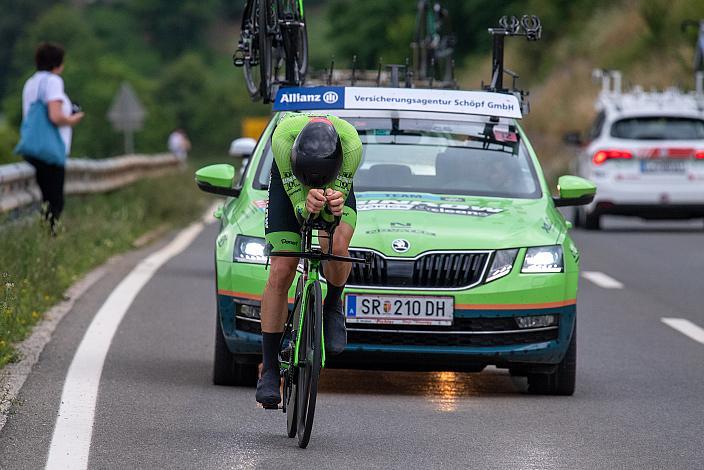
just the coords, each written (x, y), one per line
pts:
(468, 158)
(658, 128)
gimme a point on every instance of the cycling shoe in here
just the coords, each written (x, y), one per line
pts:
(334, 331)
(269, 389)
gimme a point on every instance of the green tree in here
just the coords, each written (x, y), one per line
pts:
(13, 21)
(173, 26)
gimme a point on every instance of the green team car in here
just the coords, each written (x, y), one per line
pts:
(469, 262)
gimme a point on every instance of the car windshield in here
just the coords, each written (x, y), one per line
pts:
(658, 128)
(444, 157)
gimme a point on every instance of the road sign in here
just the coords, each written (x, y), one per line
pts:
(127, 114)
(254, 126)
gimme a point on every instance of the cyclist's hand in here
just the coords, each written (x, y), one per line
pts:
(315, 201)
(335, 200)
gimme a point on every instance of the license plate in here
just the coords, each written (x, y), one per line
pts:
(662, 166)
(399, 309)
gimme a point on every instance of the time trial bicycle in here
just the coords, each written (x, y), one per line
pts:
(302, 349)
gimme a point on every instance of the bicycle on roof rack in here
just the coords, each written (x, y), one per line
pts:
(302, 350)
(274, 35)
(432, 42)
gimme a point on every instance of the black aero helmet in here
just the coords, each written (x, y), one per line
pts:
(316, 156)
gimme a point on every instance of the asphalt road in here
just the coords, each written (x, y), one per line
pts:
(639, 401)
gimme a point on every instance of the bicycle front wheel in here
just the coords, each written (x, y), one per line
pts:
(309, 362)
(267, 27)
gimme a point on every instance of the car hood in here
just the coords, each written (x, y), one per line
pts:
(435, 222)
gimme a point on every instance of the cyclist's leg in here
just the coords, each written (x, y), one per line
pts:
(336, 273)
(282, 234)
(281, 228)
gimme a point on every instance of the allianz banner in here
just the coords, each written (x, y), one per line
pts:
(411, 99)
(308, 98)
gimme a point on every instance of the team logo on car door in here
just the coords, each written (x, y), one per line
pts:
(400, 245)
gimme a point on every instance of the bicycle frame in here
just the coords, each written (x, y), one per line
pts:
(310, 275)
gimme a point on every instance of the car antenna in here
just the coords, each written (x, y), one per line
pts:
(378, 73)
(332, 66)
(408, 75)
(432, 74)
(354, 69)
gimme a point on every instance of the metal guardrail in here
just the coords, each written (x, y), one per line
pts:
(18, 187)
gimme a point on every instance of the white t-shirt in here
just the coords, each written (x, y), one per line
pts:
(52, 89)
(177, 145)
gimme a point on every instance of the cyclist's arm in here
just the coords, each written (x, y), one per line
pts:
(352, 155)
(282, 141)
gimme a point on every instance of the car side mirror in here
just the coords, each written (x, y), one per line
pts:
(242, 147)
(572, 138)
(217, 179)
(574, 191)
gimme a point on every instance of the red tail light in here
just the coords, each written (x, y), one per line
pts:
(602, 155)
(699, 155)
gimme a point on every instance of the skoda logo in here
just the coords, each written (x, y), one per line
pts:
(330, 97)
(400, 245)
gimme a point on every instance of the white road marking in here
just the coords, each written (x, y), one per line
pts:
(602, 280)
(70, 443)
(686, 327)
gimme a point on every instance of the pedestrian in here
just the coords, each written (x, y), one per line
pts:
(179, 144)
(46, 143)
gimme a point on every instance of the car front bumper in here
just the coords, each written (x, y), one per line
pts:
(398, 349)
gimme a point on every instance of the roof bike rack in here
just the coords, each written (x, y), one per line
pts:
(529, 27)
(383, 76)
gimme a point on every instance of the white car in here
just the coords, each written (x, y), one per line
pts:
(645, 153)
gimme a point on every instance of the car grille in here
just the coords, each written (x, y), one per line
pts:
(433, 270)
(498, 331)
(439, 339)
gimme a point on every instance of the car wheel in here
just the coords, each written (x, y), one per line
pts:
(592, 221)
(227, 370)
(562, 381)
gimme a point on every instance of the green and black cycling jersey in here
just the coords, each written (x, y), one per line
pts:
(287, 196)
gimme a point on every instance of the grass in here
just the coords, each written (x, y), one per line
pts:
(36, 269)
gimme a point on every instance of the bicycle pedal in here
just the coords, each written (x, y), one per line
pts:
(239, 56)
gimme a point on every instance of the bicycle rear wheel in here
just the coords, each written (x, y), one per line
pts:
(267, 26)
(310, 362)
(302, 59)
(252, 76)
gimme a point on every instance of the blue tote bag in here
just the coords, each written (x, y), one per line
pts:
(39, 137)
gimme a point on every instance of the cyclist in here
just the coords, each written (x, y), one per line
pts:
(315, 159)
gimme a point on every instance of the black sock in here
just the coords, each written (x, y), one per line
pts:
(333, 297)
(270, 350)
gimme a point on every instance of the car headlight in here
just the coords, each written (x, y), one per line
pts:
(249, 250)
(502, 264)
(543, 259)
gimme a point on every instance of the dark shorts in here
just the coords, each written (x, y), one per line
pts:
(281, 226)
